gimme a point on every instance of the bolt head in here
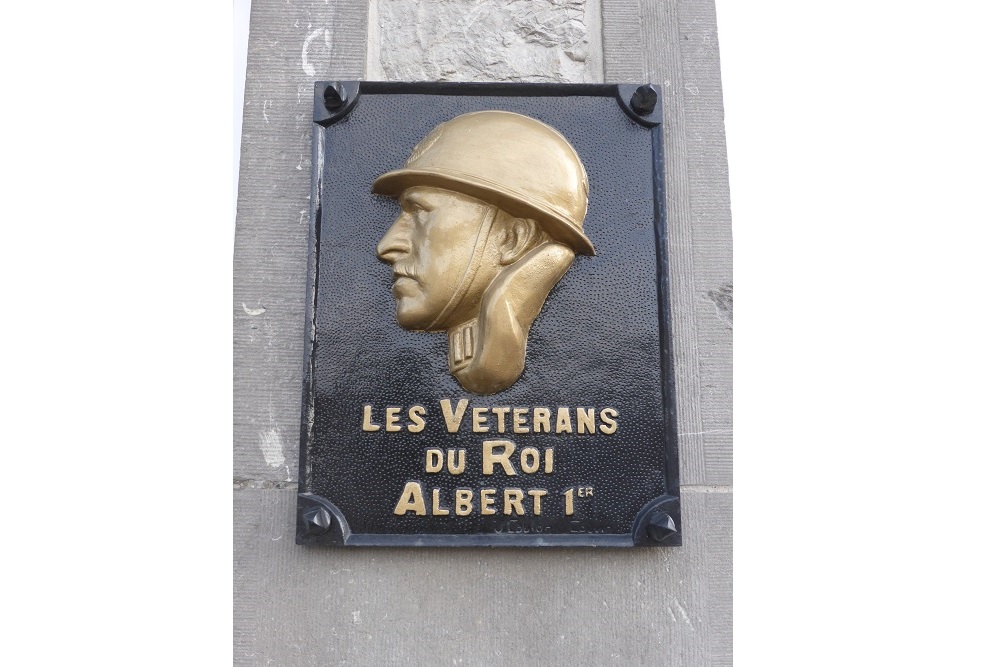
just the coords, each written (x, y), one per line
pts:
(661, 526)
(643, 100)
(316, 520)
(334, 97)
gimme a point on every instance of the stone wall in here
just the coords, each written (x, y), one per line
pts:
(300, 606)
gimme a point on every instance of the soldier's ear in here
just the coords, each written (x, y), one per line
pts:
(517, 236)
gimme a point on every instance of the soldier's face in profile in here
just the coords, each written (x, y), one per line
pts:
(429, 247)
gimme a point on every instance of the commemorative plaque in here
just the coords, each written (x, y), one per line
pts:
(487, 339)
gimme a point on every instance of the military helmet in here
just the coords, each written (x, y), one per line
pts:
(514, 162)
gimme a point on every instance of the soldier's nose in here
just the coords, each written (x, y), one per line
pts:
(393, 245)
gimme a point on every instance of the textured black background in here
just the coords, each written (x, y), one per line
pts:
(596, 342)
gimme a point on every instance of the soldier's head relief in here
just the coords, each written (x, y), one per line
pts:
(491, 216)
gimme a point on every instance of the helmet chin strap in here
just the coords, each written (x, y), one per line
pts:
(487, 354)
(475, 261)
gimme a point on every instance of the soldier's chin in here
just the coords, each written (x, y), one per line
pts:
(409, 316)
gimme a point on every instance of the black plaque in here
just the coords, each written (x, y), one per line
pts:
(599, 348)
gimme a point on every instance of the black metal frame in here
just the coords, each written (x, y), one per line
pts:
(320, 522)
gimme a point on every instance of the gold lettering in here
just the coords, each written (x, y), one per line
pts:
(500, 413)
(417, 413)
(562, 421)
(392, 419)
(463, 502)
(536, 495)
(456, 461)
(490, 458)
(479, 420)
(532, 453)
(542, 420)
(585, 420)
(521, 420)
(436, 509)
(548, 459)
(412, 500)
(435, 460)
(512, 501)
(486, 501)
(610, 425)
(453, 418)
(569, 502)
(366, 421)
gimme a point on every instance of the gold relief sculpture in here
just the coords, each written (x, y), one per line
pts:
(492, 207)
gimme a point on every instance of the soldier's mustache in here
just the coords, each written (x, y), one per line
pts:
(403, 271)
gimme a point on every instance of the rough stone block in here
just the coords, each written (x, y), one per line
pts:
(481, 40)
